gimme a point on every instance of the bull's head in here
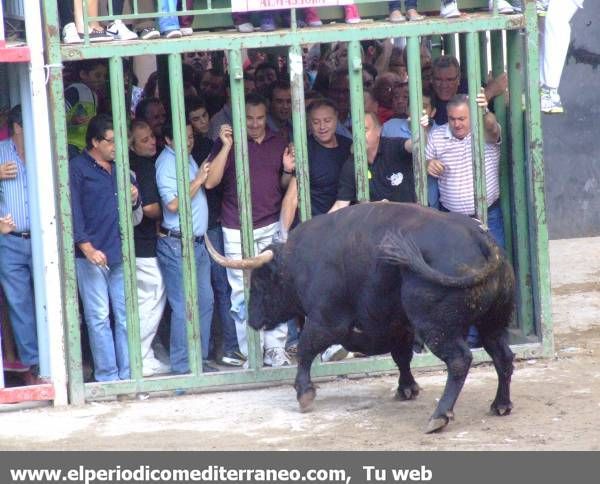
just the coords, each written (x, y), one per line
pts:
(270, 300)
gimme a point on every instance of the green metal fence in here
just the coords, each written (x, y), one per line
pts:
(513, 45)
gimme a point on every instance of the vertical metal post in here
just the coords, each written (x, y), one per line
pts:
(497, 47)
(520, 200)
(535, 173)
(117, 88)
(185, 211)
(59, 134)
(242, 171)
(477, 133)
(357, 112)
(48, 276)
(299, 126)
(415, 97)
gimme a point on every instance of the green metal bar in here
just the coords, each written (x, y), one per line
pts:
(520, 201)
(242, 172)
(117, 87)
(334, 33)
(450, 45)
(185, 213)
(59, 130)
(477, 133)
(135, 7)
(299, 126)
(497, 48)
(419, 139)
(86, 26)
(357, 112)
(110, 8)
(535, 175)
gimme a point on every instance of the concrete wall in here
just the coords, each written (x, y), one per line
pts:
(572, 140)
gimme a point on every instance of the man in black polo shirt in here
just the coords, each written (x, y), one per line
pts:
(150, 285)
(390, 168)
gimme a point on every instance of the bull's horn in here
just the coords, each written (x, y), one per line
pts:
(247, 264)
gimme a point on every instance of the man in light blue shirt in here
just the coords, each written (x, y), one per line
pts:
(169, 253)
(15, 246)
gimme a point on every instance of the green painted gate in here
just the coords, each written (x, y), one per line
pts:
(513, 42)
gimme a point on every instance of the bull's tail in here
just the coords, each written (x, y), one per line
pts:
(400, 249)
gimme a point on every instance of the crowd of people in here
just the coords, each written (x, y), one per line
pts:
(215, 212)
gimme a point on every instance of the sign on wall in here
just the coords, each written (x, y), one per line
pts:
(256, 5)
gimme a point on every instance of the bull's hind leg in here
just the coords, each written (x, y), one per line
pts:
(402, 354)
(453, 351)
(495, 342)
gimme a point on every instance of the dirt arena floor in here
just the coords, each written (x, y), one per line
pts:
(556, 401)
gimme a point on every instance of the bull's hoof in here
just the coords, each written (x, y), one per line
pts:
(501, 409)
(306, 400)
(409, 392)
(436, 424)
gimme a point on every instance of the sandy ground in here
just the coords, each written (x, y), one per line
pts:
(556, 401)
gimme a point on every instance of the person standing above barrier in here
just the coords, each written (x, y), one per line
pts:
(16, 273)
(98, 257)
(557, 36)
(271, 163)
(450, 160)
(150, 285)
(169, 250)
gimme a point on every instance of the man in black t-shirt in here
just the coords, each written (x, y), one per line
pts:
(327, 153)
(150, 285)
(391, 174)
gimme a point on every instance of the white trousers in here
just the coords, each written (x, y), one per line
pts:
(556, 38)
(151, 303)
(263, 236)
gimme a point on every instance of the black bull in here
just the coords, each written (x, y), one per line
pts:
(371, 276)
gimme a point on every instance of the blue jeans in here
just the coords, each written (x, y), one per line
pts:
(222, 293)
(17, 282)
(168, 251)
(395, 5)
(100, 289)
(433, 192)
(496, 224)
(166, 24)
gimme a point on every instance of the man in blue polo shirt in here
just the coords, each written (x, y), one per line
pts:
(99, 261)
(15, 246)
(169, 254)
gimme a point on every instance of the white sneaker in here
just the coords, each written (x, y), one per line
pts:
(503, 6)
(120, 31)
(449, 9)
(245, 28)
(186, 31)
(541, 6)
(153, 366)
(276, 357)
(70, 35)
(334, 353)
(550, 101)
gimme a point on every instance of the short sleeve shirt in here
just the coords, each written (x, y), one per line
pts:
(265, 163)
(144, 234)
(390, 176)
(325, 166)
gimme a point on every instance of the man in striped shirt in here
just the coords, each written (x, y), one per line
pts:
(15, 246)
(450, 160)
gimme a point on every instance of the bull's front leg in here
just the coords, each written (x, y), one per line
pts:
(313, 341)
